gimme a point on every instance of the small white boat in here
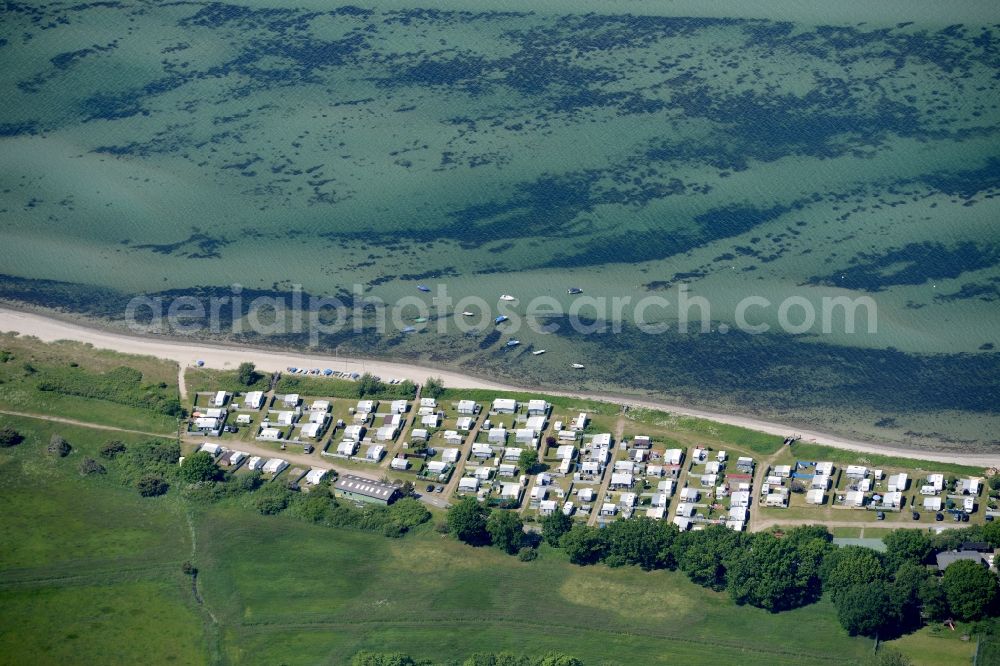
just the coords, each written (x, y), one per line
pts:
(468, 314)
(578, 366)
(507, 297)
(513, 343)
(538, 352)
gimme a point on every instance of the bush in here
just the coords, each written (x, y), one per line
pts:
(247, 374)
(199, 467)
(59, 446)
(527, 554)
(433, 388)
(10, 437)
(189, 569)
(151, 485)
(271, 499)
(112, 449)
(91, 466)
(122, 385)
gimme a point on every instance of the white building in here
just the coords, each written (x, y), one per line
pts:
(291, 400)
(601, 440)
(898, 482)
(467, 407)
(673, 456)
(321, 406)
(468, 484)
(253, 400)
(854, 498)
(538, 407)
(547, 507)
(274, 466)
(419, 434)
(365, 407)
(375, 453)
(399, 406)
(430, 420)
(354, 432)
(219, 400)
(269, 434)
(814, 496)
(932, 503)
(689, 494)
(311, 430)
(497, 435)
(856, 471)
(505, 405)
(386, 433)
(255, 463)
(451, 455)
(348, 447)
(315, 476)
(399, 463)
(580, 422)
(286, 418)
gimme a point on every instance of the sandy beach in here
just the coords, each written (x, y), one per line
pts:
(220, 357)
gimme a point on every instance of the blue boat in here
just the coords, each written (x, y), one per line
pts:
(409, 329)
(574, 290)
(423, 288)
(513, 343)
(201, 363)
(328, 372)
(501, 319)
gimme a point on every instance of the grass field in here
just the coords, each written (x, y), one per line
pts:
(311, 595)
(26, 362)
(89, 566)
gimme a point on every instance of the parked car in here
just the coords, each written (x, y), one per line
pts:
(989, 518)
(440, 489)
(879, 515)
(965, 517)
(430, 488)
(308, 448)
(916, 516)
(939, 517)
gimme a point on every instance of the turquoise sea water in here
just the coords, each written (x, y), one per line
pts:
(753, 149)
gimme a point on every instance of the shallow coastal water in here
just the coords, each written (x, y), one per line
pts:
(769, 151)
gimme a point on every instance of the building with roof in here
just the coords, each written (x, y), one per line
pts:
(253, 400)
(949, 557)
(360, 489)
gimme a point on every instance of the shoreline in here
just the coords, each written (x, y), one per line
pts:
(228, 356)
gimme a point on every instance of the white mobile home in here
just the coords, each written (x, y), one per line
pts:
(219, 400)
(253, 400)
(505, 405)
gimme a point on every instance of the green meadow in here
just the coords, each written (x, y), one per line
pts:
(91, 562)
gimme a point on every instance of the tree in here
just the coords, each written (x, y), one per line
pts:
(641, 541)
(433, 387)
(382, 659)
(467, 522)
(91, 466)
(991, 532)
(554, 526)
(559, 660)
(865, 609)
(368, 385)
(527, 461)
(703, 555)
(906, 586)
(151, 485)
(247, 374)
(198, 467)
(971, 589)
(906, 546)
(10, 437)
(776, 574)
(584, 544)
(112, 449)
(271, 499)
(59, 446)
(506, 530)
(933, 602)
(849, 566)
(406, 388)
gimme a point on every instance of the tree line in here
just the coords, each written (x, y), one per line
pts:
(874, 593)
